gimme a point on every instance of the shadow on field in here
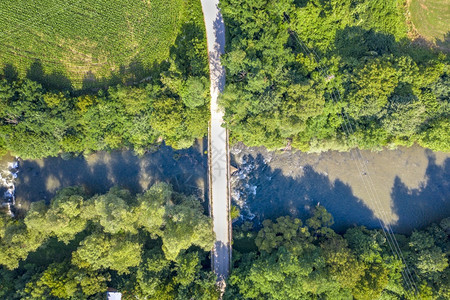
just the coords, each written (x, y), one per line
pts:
(278, 195)
(444, 44)
(355, 42)
(10, 72)
(97, 173)
(54, 81)
(183, 53)
(132, 74)
(417, 208)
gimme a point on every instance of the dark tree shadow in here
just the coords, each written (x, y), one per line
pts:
(10, 72)
(353, 43)
(444, 44)
(356, 42)
(54, 81)
(269, 194)
(132, 74)
(301, 3)
(90, 82)
(184, 169)
(417, 208)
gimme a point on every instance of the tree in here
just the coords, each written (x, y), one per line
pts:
(436, 134)
(102, 251)
(286, 232)
(194, 92)
(113, 212)
(153, 277)
(185, 226)
(65, 216)
(427, 256)
(371, 285)
(372, 87)
(342, 263)
(151, 208)
(135, 100)
(17, 243)
(405, 117)
(64, 281)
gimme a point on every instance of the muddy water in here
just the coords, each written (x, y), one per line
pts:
(97, 173)
(406, 188)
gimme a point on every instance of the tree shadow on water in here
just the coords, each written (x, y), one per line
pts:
(41, 179)
(278, 195)
(417, 208)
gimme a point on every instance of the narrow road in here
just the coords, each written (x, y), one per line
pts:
(218, 150)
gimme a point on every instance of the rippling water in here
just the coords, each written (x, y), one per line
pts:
(407, 188)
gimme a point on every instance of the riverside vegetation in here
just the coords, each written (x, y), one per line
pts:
(389, 92)
(150, 246)
(153, 246)
(289, 259)
(38, 119)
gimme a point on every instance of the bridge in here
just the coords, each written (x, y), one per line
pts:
(218, 147)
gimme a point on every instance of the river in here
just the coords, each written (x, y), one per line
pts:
(97, 173)
(412, 184)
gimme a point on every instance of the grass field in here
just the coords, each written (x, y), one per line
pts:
(75, 42)
(431, 18)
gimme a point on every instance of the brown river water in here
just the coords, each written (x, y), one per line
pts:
(407, 188)
(97, 173)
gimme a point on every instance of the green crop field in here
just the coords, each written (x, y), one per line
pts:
(432, 20)
(75, 42)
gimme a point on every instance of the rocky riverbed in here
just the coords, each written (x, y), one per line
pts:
(9, 168)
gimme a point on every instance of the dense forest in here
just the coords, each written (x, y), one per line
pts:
(154, 246)
(315, 74)
(287, 259)
(150, 246)
(39, 119)
(331, 74)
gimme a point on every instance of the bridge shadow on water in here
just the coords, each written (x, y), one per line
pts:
(279, 195)
(97, 173)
